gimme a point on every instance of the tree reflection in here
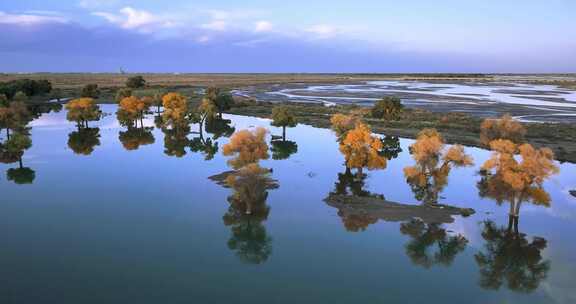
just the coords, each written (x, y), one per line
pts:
(21, 175)
(176, 141)
(207, 147)
(219, 127)
(11, 151)
(390, 147)
(248, 208)
(430, 244)
(247, 211)
(350, 184)
(84, 140)
(283, 149)
(133, 138)
(509, 258)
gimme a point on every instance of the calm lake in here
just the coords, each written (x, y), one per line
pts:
(144, 225)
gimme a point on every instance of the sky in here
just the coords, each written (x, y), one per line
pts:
(363, 36)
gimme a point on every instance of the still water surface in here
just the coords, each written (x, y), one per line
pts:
(141, 226)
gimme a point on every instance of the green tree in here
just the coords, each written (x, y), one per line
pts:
(283, 117)
(90, 91)
(389, 108)
(206, 111)
(156, 98)
(13, 150)
(15, 117)
(136, 82)
(123, 93)
(3, 100)
(20, 97)
(57, 94)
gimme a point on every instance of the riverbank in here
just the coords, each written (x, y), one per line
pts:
(455, 127)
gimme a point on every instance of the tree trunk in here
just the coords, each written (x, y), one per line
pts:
(201, 131)
(8, 133)
(510, 222)
(283, 133)
(20, 161)
(512, 204)
(517, 211)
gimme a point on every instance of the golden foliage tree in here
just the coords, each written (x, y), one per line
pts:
(82, 110)
(361, 149)
(206, 110)
(518, 179)
(429, 175)
(131, 110)
(505, 127)
(175, 110)
(341, 124)
(247, 147)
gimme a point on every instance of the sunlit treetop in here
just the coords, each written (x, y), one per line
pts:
(175, 108)
(505, 127)
(83, 110)
(362, 150)
(536, 165)
(341, 124)
(429, 175)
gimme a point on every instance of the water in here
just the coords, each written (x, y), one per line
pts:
(139, 226)
(527, 102)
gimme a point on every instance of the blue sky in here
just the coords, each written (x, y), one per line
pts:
(288, 36)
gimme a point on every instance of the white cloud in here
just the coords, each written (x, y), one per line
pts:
(262, 26)
(93, 4)
(215, 25)
(203, 39)
(131, 18)
(29, 19)
(323, 30)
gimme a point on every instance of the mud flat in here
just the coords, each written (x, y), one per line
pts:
(535, 102)
(381, 209)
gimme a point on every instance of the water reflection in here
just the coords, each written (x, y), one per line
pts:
(11, 151)
(510, 258)
(430, 244)
(283, 149)
(84, 140)
(219, 127)
(247, 212)
(133, 138)
(176, 141)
